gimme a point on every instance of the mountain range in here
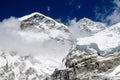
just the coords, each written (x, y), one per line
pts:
(44, 49)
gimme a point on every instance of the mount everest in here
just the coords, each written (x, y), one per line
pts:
(33, 46)
(41, 38)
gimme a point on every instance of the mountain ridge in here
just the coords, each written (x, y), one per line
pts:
(50, 42)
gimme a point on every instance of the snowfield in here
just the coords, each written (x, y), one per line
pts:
(106, 41)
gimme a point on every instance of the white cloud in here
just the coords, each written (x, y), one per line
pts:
(114, 17)
(99, 15)
(78, 6)
(58, 20)
(73, 27)
(71, 2)
(48, 8)
(110, 15)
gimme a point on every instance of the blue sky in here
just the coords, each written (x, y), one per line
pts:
(64, 10)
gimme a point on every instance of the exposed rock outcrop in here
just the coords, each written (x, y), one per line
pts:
(87, 65)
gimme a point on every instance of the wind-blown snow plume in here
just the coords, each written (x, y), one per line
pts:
(74, 28)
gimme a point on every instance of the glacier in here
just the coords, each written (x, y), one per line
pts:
(105, 42)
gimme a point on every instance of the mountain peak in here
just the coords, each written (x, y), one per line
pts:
(90, 25)
(37, 23)
(40, 21)
(86, 19)
(30, 15)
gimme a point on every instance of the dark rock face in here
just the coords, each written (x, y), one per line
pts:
(87, 65)
(40, 23)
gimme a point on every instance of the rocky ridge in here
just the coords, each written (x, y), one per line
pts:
(88, 65)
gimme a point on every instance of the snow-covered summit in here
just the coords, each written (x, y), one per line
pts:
(85, 27)
(39, 24)
(91, 26)
(39, 20)
(30, 15)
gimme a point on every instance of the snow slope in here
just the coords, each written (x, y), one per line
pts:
(106, 41)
